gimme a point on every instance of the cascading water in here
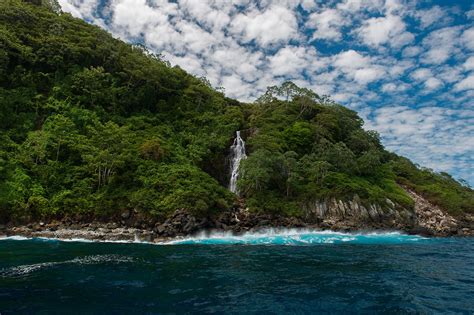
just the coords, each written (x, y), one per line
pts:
(237, 154)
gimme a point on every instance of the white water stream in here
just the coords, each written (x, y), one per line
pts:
(237, 154)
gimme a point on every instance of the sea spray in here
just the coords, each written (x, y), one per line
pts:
(296, 237)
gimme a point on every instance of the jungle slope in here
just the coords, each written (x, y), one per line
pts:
(94, 129)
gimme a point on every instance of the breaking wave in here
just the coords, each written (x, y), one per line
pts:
(297, 237)
(271, 236)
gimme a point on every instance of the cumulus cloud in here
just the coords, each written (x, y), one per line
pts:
(441, 45)
(389, 29)
(327, 24)
(350, 59)
(411, 51)
(469, 64)
(274, 25)
(433, 83)
(292, 61)
(421, 74)
(431, 16)
(394, 87)
(465, 84)
(468, 38)
(367, 75)
(470, 14)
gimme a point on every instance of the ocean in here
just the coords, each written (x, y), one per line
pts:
(274, 272)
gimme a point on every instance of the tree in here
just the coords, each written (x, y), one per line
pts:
(290, 171)
(108, 150)
(299, 137)
(368, 163)
(257, 172)
(152, 149)
(341, 158)
(61, 130)
(93, 87)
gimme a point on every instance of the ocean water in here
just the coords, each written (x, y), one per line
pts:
(275, 272)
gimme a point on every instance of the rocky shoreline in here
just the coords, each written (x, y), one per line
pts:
(182, 224)
(336, 215)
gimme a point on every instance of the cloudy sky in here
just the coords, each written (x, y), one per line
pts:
(407, 67)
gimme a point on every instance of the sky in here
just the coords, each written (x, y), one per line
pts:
(407, 67)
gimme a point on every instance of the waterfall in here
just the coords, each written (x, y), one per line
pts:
(237, 154)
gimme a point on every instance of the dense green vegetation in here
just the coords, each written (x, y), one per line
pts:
(305, 148)
(90, 125)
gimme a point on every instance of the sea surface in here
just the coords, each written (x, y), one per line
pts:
(275, 272)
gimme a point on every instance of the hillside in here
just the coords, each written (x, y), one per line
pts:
(91, 127)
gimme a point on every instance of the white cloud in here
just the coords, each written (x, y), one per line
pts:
(469, 64)
(275, 25)
(468, 38)
(135, 17)
(465, 84)
(205, 13)
(291, 61)
(449, 74)
(327, 24)
(355, 6)
(421, 74)
(431, 16)
(308, 5)
(441, 44)
(237, 59)
(433, 83)
(389, 30)
(394, 87)
(437, 55)
(411, 51)
(236, 86)
(350, 59)
(470, 14)
(367, 75)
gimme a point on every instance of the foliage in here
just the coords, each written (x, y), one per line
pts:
(92, 125)
(440, 188)
(310, 148)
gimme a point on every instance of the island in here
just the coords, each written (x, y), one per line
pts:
(104, 140)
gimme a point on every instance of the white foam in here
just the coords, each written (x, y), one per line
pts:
(293, 237)
(278, 236)
(15, 238)
(86, 260)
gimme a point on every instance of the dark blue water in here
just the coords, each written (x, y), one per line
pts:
(360, 274)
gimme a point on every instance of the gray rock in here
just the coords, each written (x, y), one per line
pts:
(161, 229)
(125, 214)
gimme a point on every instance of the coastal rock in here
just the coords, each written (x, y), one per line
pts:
(125, 214)
(356, 214)
(431, 217)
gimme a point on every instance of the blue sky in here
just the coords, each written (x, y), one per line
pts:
(406, 67)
